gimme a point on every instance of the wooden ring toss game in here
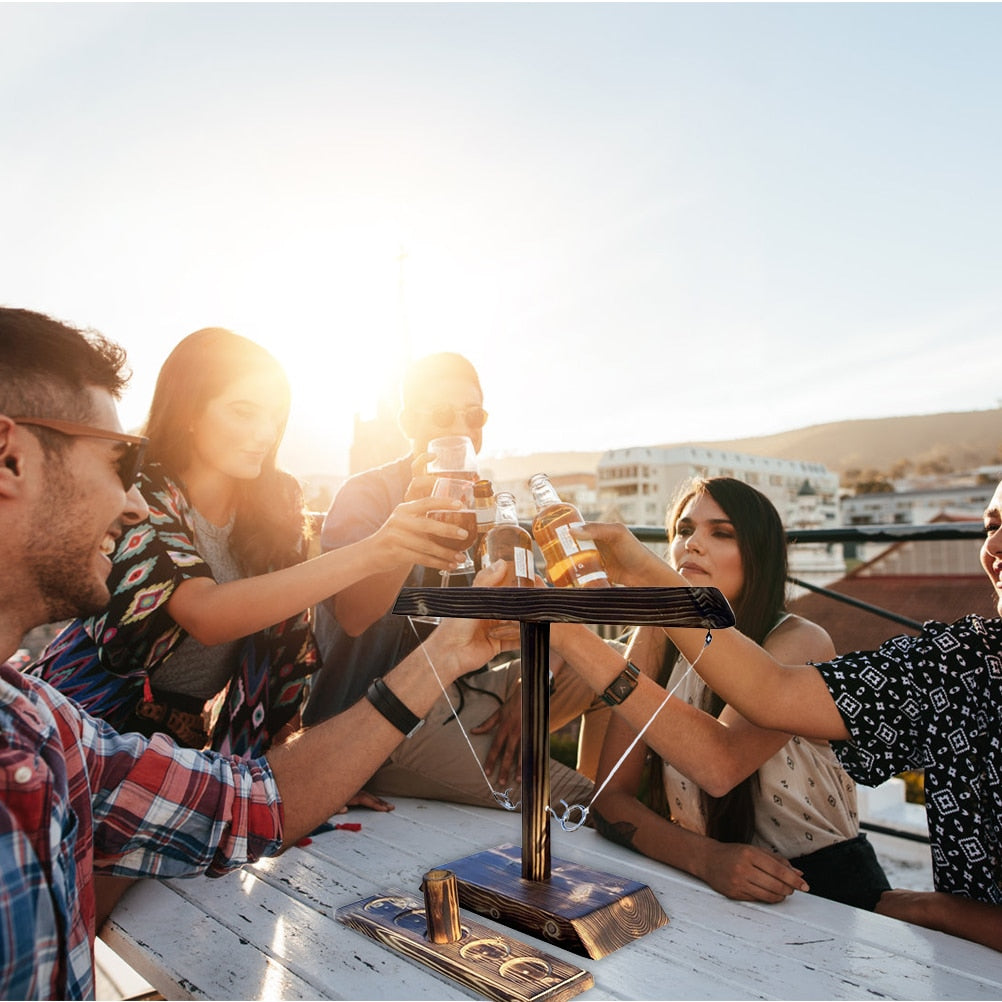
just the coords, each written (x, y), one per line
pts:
(577, 908)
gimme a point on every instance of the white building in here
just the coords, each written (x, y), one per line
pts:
(917, 507)
(636, 485)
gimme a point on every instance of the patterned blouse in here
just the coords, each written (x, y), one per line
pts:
(805, 801)
(107, 663)
(934, 702)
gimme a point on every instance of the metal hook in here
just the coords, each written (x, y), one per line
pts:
(565, 819)
(504, 799)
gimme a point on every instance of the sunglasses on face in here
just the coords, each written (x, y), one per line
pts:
(445, 416)
(130, 459)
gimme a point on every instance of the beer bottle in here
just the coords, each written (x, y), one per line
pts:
(483, 505)
(507, 540)
(570, 562)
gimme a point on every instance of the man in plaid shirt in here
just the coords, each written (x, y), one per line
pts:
(76, 797)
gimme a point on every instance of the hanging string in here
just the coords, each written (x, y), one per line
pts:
(570, 824)
(503, 799)
(569, 821)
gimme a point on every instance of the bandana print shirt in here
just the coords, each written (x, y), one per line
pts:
(934, 702)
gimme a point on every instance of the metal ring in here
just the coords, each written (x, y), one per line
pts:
(504, 799)
(565, 819)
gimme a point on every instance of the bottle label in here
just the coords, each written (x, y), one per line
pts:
(596, 576)
(567, 542)
(524, 563)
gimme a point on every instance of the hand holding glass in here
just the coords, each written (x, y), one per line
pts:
(454, 489)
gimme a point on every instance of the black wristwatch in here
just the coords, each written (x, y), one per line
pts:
(383, 699)
(622, 685)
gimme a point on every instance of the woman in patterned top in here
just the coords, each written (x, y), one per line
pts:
(932, 701)
(207, 636)
(778, 814)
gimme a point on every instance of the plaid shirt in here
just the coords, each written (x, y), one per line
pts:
(79, 798)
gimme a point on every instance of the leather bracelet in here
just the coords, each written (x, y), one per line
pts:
(622, 685)
(382, 698)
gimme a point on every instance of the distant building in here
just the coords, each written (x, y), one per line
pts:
(378, 440)
(916, 507)
(635, 485)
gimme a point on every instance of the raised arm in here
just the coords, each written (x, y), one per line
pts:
(214, 613)
(715, 753)
(771, 694)
(354, 513)
(319, 769)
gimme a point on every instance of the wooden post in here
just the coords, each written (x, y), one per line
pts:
(535, 751)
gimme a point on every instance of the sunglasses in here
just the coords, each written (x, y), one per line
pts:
(130, 459)
(444, 416)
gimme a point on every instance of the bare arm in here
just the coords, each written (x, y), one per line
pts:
(214, 613)
(359, 605)
(742, 872)
(773, 695)
(973, 920)
(319, 769)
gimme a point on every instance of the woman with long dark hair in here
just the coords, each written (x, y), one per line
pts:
(756, 814)
(207, 636)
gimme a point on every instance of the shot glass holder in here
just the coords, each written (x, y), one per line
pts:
(575, 907)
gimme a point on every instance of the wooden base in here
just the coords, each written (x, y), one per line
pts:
(582, 910)
(492, 965)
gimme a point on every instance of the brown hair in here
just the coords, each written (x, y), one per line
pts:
(47, 365)
(761, 541)
(271, 524)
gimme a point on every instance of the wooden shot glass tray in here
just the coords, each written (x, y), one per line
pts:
(491, 964)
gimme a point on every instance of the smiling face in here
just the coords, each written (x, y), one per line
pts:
(991, 548)
(704, 549)
(81, 511)
(239, 428)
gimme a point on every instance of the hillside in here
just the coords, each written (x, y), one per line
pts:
(963, 439)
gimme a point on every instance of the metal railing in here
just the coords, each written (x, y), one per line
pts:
(855, 534)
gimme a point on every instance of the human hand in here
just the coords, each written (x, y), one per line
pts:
(746, 873)
(464, 644)
(505, 753)
(421, 480)
(368, 800)
(627, 561)
(409, 537)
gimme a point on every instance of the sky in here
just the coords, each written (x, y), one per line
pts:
(643, 223)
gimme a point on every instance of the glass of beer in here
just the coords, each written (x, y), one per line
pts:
(453, 456)
(456, 489)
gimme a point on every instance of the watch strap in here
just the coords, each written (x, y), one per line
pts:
(382, 698)
(622, 685)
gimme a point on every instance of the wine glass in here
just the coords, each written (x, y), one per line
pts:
(453, 456)
(455, 489)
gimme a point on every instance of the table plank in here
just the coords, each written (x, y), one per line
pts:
(270, 931)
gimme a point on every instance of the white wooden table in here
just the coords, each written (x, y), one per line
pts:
(269, 930)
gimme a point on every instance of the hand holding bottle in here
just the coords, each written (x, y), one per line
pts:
(626, 559)
(572, 559)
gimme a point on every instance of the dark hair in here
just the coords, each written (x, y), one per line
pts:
(47, 364)
(761, 541)
(271, 524)
(432, 369)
